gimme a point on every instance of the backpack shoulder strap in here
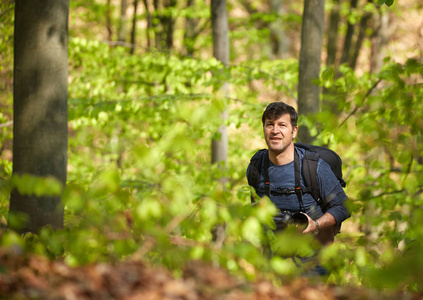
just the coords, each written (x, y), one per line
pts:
(254, 169)
(309, 170)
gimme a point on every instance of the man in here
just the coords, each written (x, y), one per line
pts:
(280, 129)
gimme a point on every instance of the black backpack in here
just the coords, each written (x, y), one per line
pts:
(309, 171)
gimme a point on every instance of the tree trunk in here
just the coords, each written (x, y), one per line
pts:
(156, 25)
(109, 21)
(345, 58)
(40, 107)
(278, 39)
(329, 95)
(360, 38)
(310, 56)
(149, 25)
(379, 38)
(221, 53)
(190, 34)
(164, 25)
(169, 24)
(134, 27)
(332, 46)
(122, 22)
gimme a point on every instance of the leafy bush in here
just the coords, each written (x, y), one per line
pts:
(140, 181)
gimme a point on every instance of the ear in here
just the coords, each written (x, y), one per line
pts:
(294, 132)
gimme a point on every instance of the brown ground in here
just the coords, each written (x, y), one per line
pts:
(34, 277)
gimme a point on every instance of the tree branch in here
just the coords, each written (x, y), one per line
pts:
(356, 108)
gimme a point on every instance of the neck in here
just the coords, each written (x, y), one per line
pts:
(284, 157)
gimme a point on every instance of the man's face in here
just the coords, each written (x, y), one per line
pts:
(279, 133)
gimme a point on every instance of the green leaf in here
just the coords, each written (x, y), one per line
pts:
(252, 231)
(27, 184)
(283, 266)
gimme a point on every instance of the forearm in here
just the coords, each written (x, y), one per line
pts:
(326, 221)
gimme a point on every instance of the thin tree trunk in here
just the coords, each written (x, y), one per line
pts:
(310, 56)
(109, 21)
(134, 27)
(361, 36)
(169, 24)
(348, 37)
(330, 96)
(149, 26)
(40, 107)
(332, 46)
(278, 39)
(122, 22)
(156, 25)
(379, 38)
(221, 53)
(190, 35)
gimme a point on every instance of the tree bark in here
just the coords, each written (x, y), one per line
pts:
(134, 27)
(329, 95)
(310, 56)
(40, 106)
(164, 25)
(278, 39)
(379, 38)
(109, 21)
(149, 25)
(122, 22)
(221, 53)
(155, 24)
(348, 37)
(190, 34)
(169, 24)
(332, 46)
(360, 38)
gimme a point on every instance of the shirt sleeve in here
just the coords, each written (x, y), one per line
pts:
(332, 192)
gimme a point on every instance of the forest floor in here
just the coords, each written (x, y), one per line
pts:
(25, 276)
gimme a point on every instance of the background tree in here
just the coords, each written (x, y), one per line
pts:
(163, 23)
(194, 26)
(364, 20)
(134, 27)
(309, 62)
(279, 41)
(190, 34)
(40, 107)
(379, 39)
(149, 25)
(349, 35)
(220, 52)
(123, 28)
(109, 20)
(333, 33)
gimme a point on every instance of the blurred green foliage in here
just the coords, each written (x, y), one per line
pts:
(140, 181)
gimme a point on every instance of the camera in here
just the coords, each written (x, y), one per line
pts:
(286, 218)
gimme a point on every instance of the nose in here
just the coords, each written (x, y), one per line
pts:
(275, 129)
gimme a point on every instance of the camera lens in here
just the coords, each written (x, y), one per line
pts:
(299, 220)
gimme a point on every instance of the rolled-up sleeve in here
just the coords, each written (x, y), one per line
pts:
(332, 192)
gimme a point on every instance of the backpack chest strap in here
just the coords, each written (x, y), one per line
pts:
(298, 190)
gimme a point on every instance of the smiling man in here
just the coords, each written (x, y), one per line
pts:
(280, 164)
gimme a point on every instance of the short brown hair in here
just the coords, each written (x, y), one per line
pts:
(276, 109)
